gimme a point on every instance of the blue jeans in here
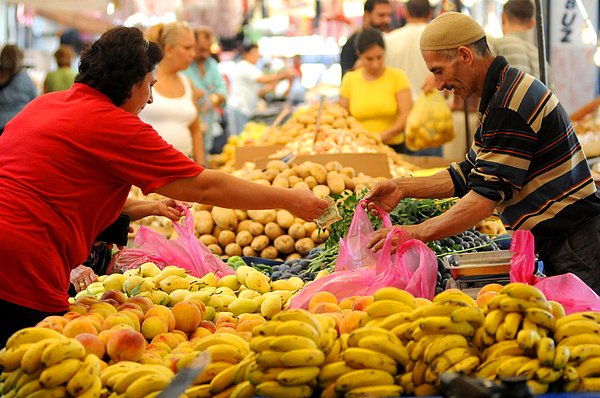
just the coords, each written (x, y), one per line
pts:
(236, 120)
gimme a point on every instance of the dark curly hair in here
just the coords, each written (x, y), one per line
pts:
(369, 37)
(118, 60)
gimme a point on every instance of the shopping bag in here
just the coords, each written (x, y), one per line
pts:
(568, 289)
(185, 251)
(429, 123)
(354, 253)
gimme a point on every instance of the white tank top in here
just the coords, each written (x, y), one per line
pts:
(171, 117)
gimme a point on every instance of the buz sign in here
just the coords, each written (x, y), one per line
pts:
(568, 20)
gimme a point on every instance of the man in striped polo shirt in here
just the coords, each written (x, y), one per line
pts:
(525, 161)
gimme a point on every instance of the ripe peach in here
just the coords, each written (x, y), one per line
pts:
(421, 301)
(182, 336)
(153, 326)
(163, 311)
(145, 303)
(71, 315)
(323, 307)
(159, 346)
(208, 325)
(224, 318)
(115, 295)
(346, 303)
(247, 325)
(200, 304)
(49, 325)
(226, 329)
(490, 287)
(138, 313)
(168, 338)
(105, 335)
(104, 308)
(117, 319)
(79, 308)
(322, 297)
(484, 298)
(126, 345)
(351, 321)
(199, 333)
(187, 316)
(362, 302)
(92, 344)
(86, 300)
(56, 319)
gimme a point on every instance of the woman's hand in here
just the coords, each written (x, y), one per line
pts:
(385, 194)
(81, 277)
(170, 208)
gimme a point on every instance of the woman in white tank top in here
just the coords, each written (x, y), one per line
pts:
(173, 112)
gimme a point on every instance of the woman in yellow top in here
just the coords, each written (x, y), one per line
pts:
(379, 97)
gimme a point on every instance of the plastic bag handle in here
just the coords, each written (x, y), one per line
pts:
(386, 250)
(385, 217)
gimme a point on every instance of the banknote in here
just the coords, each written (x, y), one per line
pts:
(330, 215)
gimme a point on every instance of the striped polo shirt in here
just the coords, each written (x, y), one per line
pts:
(526, 157)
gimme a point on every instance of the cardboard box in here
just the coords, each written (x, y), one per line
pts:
(428, 162)
(250, 153)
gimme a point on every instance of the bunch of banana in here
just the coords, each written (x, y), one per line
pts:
(290, 350)
(230, 356)
(388, 301)
(579, 333)
(135, 380)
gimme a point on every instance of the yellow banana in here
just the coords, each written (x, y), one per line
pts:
(60, 373)
(569, 373)
(10, 381)
(442, 324)
(466, 366)
(169, 270)
(512, 321)
(11, 358)
(299, 315)
(394, 320)
(223, 380)
(256, 375)
(242, 368)
(451, 295)
(244, 389)
(536, 387)
(528, 369)
(298, 328)
(511, 304)
(591, 384)
(586, 315)
(147, 384)
(32, 335)
(405, 381)
(473, 315)
(61, 350)
(419, 373)
(198, 391)
(426, 390)
(541, 318)
(223, 338)
(393, 293)
(332, 371)
(443, 344)
(500, 333)
(509, 347)
(582, 352)
(402, 331)
(561, 357)
(546, 351)
(375, 391)
(269, 359)
(448, 359)
(557, 309)
(528, 325)
(85, 376)
(487, 370)
(419, 348)
(577, 339)
(328, 391)
(362, 332)
(387, 346)
(224, 352)
(303, 357)
(29, 388)
(334, 352)
(493, 320)
(363, 378)
(117, 368)
(385, 308)
(25, 378)
(523, 291)
(266, 329)
(494, 303)
(56, 392)
(579, 326)
(511, 365)
(213, 369)
(95, 390)
(32, 359)
(275, 390)
(291, 342)
(298, 376)
(589, 367)
(547, 375)
(257, 343)
(363, 358)
(527, 339)
(445, 308)
(135, 374)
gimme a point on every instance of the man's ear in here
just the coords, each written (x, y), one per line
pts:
(465, 54)
(531, 23)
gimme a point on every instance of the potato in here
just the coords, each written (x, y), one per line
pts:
(293, 256)
(301, 185)
(297, 231)
(293, 180)
(256, 228)
(216, 230)
(304, 246)
(262, 216)
(335, 182)
(248, 251)
(224, 218)
(263, 182)
(319, 172)
(200, 206)
(204, 222)
(272, 230)
(348, 182)
(285, 219)
(319, 236)
(348, 171)
(333, 166)
(270, 174)
(226, 237)
(281, 181)
(278, 165)
(259, 242)
(255, 175)
(233, 249)
(303, 170)
(321, 191)
(311, 182)
(208, 240)
(269, 252)
(288, 173)
(244, 238)
(243, 226)
(284, 244)
(309, 227)
(241, 215)
(216, 250)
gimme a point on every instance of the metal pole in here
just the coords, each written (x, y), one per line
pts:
(541, 40)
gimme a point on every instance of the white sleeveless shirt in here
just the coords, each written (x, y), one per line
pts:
(171, 117)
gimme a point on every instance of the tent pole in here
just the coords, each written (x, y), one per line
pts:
(541, 41)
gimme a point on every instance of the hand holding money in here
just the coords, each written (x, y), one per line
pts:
(330, 215)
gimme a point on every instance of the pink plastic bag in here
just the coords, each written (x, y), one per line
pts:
(413, 268)
(354, 253)
(568, 289)
(185, 251)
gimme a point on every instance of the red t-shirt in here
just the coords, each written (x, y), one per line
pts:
(67, 163)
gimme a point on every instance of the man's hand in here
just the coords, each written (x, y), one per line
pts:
(378, 238)
(169, 208)
(385, 194)
(81, 277)
(306, 205)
